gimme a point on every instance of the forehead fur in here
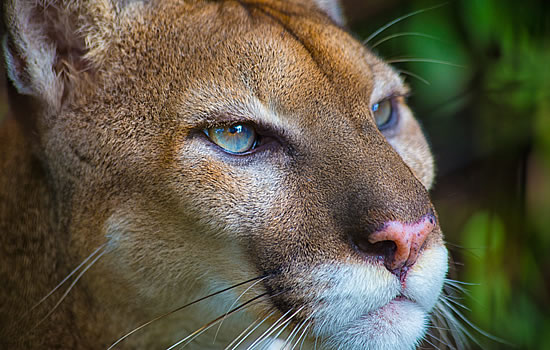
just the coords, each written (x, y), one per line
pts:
(271, 52)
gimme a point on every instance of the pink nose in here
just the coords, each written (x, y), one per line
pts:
(408, 239)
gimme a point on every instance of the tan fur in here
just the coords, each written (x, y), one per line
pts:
(106, 148)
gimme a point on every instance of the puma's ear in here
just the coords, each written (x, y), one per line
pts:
(47, 47)
(333, 9)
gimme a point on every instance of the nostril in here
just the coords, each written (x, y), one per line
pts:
(380, 250)
(397, 243)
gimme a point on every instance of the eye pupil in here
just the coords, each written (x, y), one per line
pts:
(236, 138)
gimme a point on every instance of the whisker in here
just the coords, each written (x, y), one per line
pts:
(399, 19)
(451, 281)
(443, 333)
(207, 326)
(284, 326)
(456, 246)
(446, 297)
(429, 342)
(63, 281)
(269, 331)
(458, 331)
(424, 60)
(73, 283)
(276, 336)
(178, 309)
(306, 323)
(397, 35)
(439, 328)
(275, 327)
(293, 334)
(435, 320)
(452, 289)
(476, 328)
(414, 75)
(235, 302)
(248, 332)
(302, 337)
(454, 264)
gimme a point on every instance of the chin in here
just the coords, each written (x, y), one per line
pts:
(400, 324)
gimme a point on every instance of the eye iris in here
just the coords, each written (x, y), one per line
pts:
(382, 113)
(237, 138)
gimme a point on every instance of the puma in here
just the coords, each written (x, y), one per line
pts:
(249, 158)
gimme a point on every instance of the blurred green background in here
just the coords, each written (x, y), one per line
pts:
(484, 101)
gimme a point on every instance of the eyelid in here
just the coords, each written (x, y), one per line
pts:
(224, 120)
(400, 96)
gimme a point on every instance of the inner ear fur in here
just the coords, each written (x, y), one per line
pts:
(47, 48)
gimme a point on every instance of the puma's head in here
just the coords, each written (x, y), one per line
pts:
(201, 144)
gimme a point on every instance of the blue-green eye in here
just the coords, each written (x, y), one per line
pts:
(383, 113)
(236, 138)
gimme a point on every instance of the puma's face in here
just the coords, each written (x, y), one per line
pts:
(223, 141)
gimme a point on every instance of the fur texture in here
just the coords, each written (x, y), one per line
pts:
(106, 161)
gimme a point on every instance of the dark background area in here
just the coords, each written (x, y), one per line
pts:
(482, 94)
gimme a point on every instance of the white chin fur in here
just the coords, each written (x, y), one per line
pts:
(425, 279)
(399, 325)
(358, 308)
